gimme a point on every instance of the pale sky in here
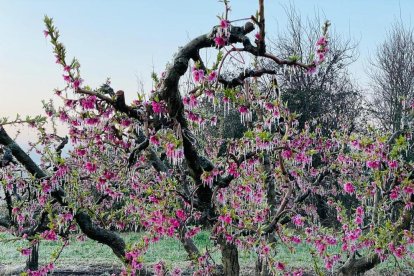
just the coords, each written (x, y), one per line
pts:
(127, 39)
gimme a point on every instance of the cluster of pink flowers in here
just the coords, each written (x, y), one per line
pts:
(191, 102)
(200, 77)
(49, 235)
(43, 271)
(298, 220)
(321, 51)
(222, 33)
(174, 153)
(26, 251)
(373, 164)
(88, 102)
(359, 218)
(322, 45)
(398, 251)
(158, 107)
(154, 140)
(349, 188)
(133, 258)
(226, 219)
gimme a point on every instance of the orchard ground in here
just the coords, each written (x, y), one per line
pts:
(91, 258)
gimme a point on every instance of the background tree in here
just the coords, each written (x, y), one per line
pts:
(329, 94)
(392, 78)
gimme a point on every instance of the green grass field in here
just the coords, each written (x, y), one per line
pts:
(168, 249)
(89, 252)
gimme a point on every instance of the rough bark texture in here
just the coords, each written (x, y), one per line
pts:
(261, 268)
(100, 235)
(169, 92)
(20, 155)
(355, 266)
(32, 262)
(230, 259)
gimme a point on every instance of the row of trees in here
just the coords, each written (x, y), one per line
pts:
(260, 157)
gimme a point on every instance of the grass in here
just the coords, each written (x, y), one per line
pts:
(90, 251)
(170, 250)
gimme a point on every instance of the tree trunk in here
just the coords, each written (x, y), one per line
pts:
(32, 262)
(230, 259)
(262, 268)
(354, 266)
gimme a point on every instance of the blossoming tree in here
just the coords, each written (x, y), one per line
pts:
(139, 167)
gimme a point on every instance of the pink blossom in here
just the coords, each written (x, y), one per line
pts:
(220, 41)
(213, 120)
(353, 234)
(77, 83)
(154, 140)
(226, 219)
(280, 266)
(298, 272)
(92, 121)
(49, 235)
(393, 164)
(224, 23)
(26, 251)
(349, 188)
(198, 74)
(287, 154)
(311, 70)
(159, 269)
(265, 250)
(243, 109)
(360, 211)
(298, 220)
(80, 152)
(180, 214)
(295, 239)
(88, 102)
(157, 107)
(176, 272)
(90, 167)
(394, 194)
(212, 77)
(409, 190)
(66, 78)
(209, 94)
(193, 101)
(321, 41)
(46, 187)
(232, 169)
(373, 164)
(67, 216)
(330, 240)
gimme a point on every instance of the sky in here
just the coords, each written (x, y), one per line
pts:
(127, 40)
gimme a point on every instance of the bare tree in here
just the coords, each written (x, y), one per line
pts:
(392, 76)
(329, 93)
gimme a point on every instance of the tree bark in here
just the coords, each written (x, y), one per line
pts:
(262, 268)
(230, 259)
(32, 262)
(358, 266)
